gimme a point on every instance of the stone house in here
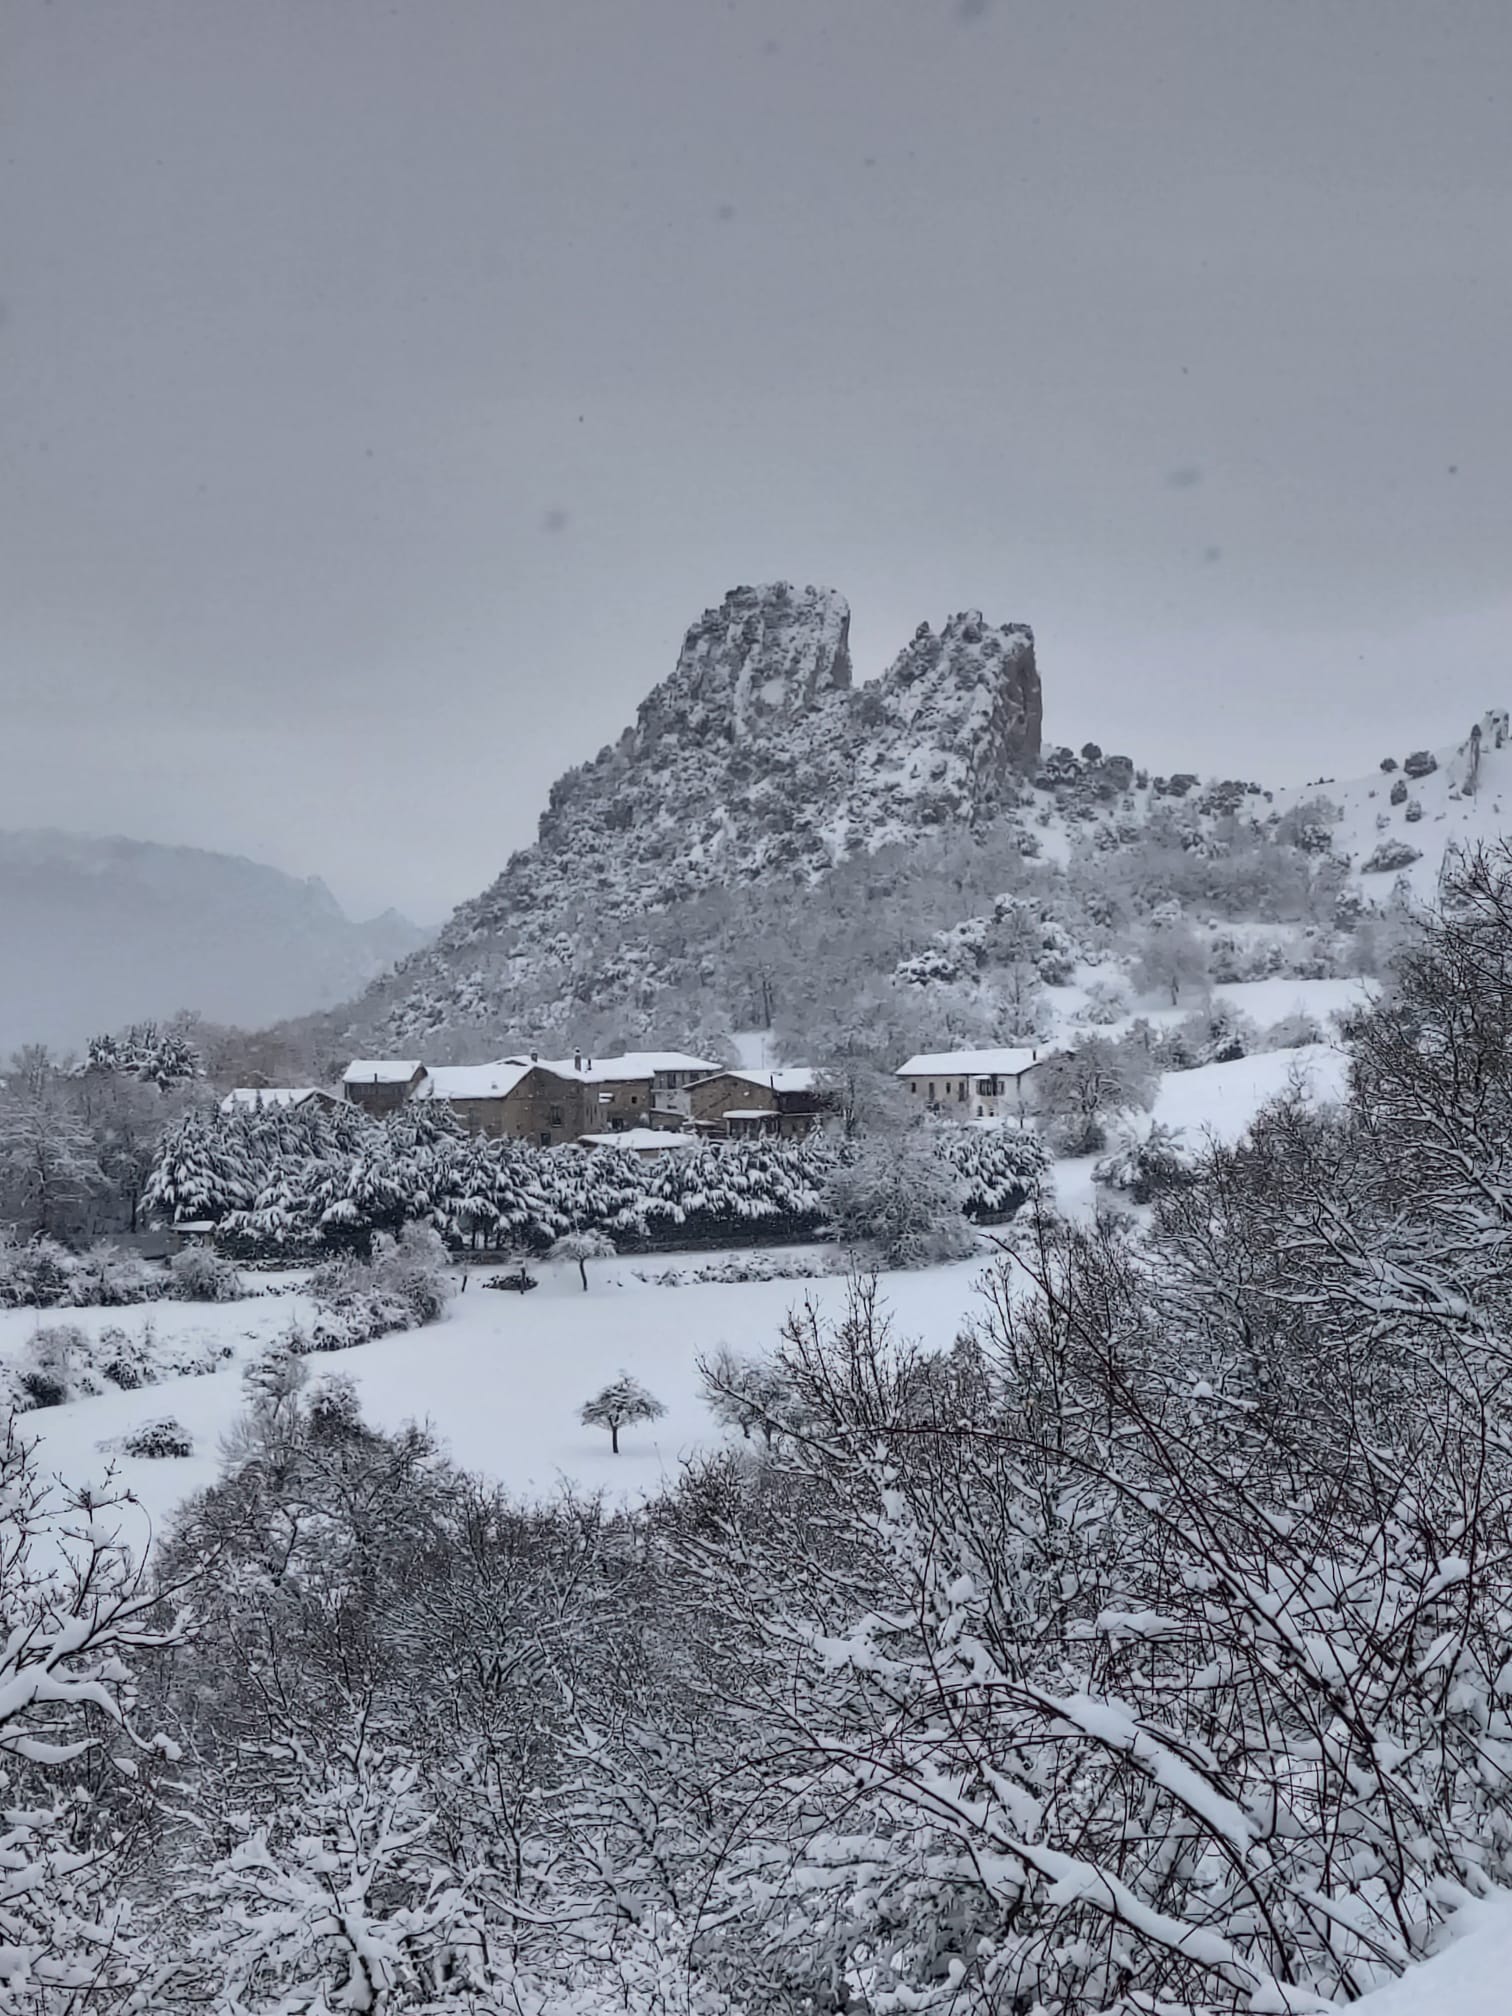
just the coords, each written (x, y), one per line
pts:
(973, 1084)
(742, 1104)
(379, 1085)
(513, 1099)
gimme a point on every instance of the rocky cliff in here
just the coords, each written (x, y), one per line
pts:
(757, 759)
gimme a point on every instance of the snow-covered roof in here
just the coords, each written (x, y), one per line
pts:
(640, 1138)
(380, 1070)
(972, 1063)
(793, 1078)
(629, 1069)
(472, 1081)
(750, 1113)
(269, 1095)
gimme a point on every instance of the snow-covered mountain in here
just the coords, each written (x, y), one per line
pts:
(770, 841)
(756, 762)
(95, 933)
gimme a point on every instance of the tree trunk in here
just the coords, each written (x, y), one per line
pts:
(614, 1438)
(583, 1270)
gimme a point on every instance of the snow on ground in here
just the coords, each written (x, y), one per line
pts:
(500, 1378)
(1217, 1101)
(1471, 1977)
(1459, 806)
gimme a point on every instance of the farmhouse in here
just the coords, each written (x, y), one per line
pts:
(381, 1084)
(973, 1084)
(745, 1103)
(513, 1098)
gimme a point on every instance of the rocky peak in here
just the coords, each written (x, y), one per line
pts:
(975, 684)
(765, 656)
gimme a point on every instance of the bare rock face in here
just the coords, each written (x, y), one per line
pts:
(763, 657)
(755, 762)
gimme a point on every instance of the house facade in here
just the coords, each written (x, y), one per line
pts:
(973, 1084)
(743, 1104)
(508, 1100)
(381, 1085)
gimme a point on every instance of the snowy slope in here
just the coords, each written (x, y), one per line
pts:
(1465, 801)
(1471, 1977)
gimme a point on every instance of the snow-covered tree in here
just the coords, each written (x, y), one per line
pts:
(582, 1247)
(620, 1404)
(899, 1200)
(79, 1618)
(1076, 1092)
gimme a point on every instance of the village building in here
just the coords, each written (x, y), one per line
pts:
(381, 1085)
(742, 1104)
(973, 1084)
(254, 1097)
(513, 1100)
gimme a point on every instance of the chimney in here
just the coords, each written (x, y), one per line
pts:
(577, 1060)
(535, 1056)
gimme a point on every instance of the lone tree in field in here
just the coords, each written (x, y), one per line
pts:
(583, 1247)
(621, 1404)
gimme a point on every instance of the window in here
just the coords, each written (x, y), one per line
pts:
(545, 1137)
(555, 1117)
(986, 1087)
(931, 1091)
(913, 1084)
(962, 1089)
(633, 1099)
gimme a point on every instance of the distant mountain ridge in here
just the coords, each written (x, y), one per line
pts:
(97, 932)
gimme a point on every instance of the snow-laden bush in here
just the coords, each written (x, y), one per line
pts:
(1146, 1163)
(1107, 1001)
(54, 1366)
(897, 1200)
(199, 1275)
(161, 1438)
(406, 1284)
(1390, 855)
(1291, 1032)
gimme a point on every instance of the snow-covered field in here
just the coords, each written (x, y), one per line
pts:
(500, 1378)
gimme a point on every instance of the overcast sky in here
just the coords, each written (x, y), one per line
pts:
(383, 389)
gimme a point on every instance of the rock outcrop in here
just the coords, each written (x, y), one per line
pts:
(755, 760)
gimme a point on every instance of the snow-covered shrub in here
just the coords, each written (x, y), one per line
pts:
(53, 1367)
(1389, 856)
(1292, 1031)
(406, 1284)
(1399, 791)
(1107, 1001)
(165, 1437)
(1145, 1164)
(199, 1275)
(1414, 811)
(747, 1393)
(1421, 763)
(35, 1276)
(900, 1201)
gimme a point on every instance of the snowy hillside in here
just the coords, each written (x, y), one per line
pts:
(1400, 822)
(101, 932)
(770, 846)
